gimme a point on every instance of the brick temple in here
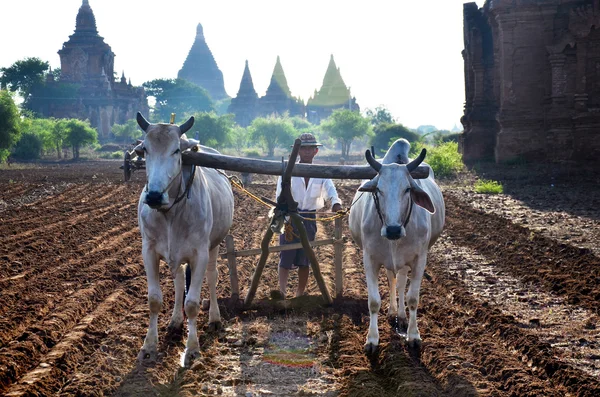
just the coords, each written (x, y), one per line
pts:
(532, 81)
(87, 63)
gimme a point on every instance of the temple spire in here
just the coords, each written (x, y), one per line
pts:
(278, 80)
(85, 22)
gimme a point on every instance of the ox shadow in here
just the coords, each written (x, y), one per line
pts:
(547, 187)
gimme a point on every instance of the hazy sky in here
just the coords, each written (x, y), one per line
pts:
(402, 54)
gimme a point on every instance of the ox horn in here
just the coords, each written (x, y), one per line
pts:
(142, 122)
(372, 162)
(415, 163)
(186, 126)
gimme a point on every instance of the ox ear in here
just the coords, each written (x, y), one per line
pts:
(186, 126)
(421, 198)
(185, 144)
(142, 122)
(369, 186)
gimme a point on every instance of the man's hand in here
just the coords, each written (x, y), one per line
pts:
(336, 207)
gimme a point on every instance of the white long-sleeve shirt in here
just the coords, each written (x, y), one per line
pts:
(313, 197)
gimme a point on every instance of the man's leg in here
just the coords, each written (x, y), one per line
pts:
(302, 279)
(284, 274)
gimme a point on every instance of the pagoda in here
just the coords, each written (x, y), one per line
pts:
(201, 68)
(278, 99)
(87, 66)
(245, 104)
(334, 94)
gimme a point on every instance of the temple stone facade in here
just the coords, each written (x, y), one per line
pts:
(532, 81)
(201, 68)
(278, 99)
(333, 95)
(87, 63)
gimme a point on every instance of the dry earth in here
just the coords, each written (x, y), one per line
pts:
(510, 309)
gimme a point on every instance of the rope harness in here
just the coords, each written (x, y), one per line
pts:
(378, 209)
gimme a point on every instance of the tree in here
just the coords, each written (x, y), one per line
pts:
(24, 76)
(239, 139)
(301, 124)
(177, 96)
(9, 124)
(127, 132)
(79, 133)
(272, 132)
(213, 130)
(385, 134)
(379, 116)
(346, 125)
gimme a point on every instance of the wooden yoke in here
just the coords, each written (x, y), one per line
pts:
(286, 205)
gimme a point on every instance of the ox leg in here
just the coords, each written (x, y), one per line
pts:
(371, 272)
(393, 309)
(155, 300)
(401, 287)
(414, 338)
(192, 305)
(176, 323)
(214, 315)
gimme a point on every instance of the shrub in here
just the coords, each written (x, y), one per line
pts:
(445, 159)
(484, 186)
(252, 153)
(109, 147)
(29, 147)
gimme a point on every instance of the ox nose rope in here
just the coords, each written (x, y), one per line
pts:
(186, 192)
(378, 209)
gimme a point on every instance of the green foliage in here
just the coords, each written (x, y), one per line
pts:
(177, 96)
(4, 153)
(485, 186)
(444, 159)
(79, 133)
(43, 95)
(301, 124)
(9, 121)
(346, 125)
(386, 134)
(109, 147)
(214, 131)
(379, 116)
(272, 132)
(222, 105)
(24, 76)
(252, 153)
(29, 147)
(239, 139)
(127, 132)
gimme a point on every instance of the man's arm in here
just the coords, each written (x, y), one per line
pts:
(331, 193)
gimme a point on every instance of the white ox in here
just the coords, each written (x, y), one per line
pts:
(183, 216)
(396, 236)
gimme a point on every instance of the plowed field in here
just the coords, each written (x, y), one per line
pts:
(511, 307)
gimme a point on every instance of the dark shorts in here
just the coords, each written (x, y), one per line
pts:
(297, 258)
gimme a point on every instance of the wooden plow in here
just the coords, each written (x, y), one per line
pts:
(284, 207)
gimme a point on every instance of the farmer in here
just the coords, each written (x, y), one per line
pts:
(311, 194)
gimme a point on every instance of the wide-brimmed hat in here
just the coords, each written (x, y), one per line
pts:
(308, 139)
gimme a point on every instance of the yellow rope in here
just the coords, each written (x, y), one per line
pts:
(339, 214)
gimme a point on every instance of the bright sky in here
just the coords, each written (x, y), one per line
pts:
(401, 54)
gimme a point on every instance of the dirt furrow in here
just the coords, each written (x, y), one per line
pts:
(527, 255)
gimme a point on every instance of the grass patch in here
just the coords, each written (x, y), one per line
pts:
(484, 186)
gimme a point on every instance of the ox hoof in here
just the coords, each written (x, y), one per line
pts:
(414, 344)
(146, 356)
(175, 328)
(214, 327)
(371, 349)
(190, 356)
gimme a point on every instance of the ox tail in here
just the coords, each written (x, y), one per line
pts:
(188, 280)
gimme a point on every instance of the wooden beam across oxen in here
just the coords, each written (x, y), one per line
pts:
(271, 167)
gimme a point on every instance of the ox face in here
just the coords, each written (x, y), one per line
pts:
(162, 148)
(396, 192)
